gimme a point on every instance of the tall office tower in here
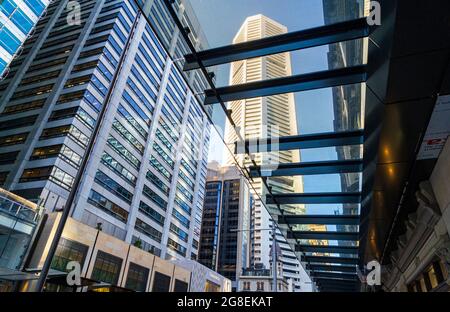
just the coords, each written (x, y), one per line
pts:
(347, 100)
(17, 20)
(225, 237)
(259, 118)
(144, 181)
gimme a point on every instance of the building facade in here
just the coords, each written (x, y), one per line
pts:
(254, 280)
(108, 264)
(144, 180)
(261, 118)
(17, 21)
(225, 234)
(421, 259)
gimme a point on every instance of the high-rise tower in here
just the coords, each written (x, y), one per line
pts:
(145, 177)
(263, 117)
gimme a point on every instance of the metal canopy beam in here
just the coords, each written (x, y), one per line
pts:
(348, 30)
(339, 285)
(320, 219)
(331, 268)
(335, 283)
(337, 289)
(327, 249)
(319, 140)
(314, 198)
(323, 259)
(308, 168)
(340, 276)
(297, 83)
(323, 235)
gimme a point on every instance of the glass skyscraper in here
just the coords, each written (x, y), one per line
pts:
(225, 235)
(17, 19)
(144, 181)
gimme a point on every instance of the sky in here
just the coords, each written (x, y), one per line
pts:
(221, 20)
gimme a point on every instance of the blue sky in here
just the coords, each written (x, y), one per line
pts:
(221, 20)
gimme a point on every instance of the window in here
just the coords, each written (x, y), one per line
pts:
(60, 131)
(24, 107)
(18, 123)
(151, 213)
(178, 248)
(106, 268)
(36, 174)
(122, 151)
(13, 139)
(114, 187)
(128, 136)
(54, 174)
(132, 121)
(148, 230)
(40, 78)
(32, 92)
(180, 286)
(8, 158)
(46, 152)
(108, 206)
(157, 182)
(69, 97)
(150, 194)
(160, 168)
(78, 81)
(69, 251)
(179, 232)
(137, 277)
(70, 112)
(115, 166)
(434, 275)
(161, 282)
(182, 219)
(61, 178)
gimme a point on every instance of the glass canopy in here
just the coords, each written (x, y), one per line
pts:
(283, 83)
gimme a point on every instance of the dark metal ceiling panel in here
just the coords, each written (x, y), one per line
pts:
(327, 249)
(318, 140)
(340, 276)
(351, 236)
(297, 83)
(324, 259)
(320, 219)
(331, 268)
(309, 168)
(314, 198)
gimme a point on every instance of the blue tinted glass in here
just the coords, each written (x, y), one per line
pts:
(36, 6)
(8, 41)
(23, 22)
(7, 7)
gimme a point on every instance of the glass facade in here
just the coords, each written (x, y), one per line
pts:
(145, 179)
(17, 20)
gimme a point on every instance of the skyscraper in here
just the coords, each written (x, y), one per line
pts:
(17, 20)
(145, 178)
(260, 118)
(225, 235)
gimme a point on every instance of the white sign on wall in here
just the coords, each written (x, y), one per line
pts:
(438, 130)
